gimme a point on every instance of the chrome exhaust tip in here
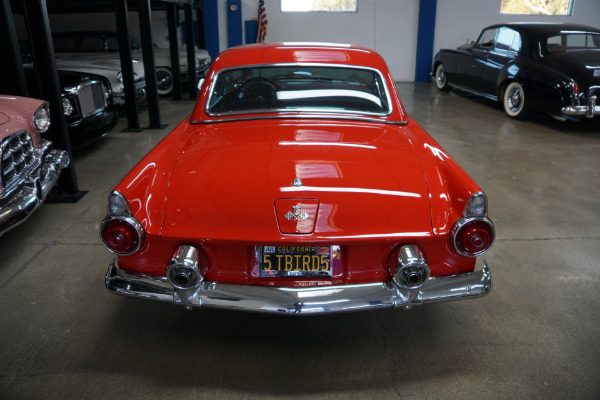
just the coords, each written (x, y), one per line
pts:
(183, 271)
(412, 270)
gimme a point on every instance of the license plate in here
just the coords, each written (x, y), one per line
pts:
(295, 261)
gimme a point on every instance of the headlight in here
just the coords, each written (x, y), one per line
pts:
(67, 106)
(41, 118)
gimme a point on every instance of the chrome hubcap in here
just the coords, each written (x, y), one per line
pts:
(514, 99)
(163, 80)
(441, 77)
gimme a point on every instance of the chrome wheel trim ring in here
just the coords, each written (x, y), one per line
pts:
(514, 99)
(440, 76)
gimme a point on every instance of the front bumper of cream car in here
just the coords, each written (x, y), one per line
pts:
(313, 300)
(31, 192)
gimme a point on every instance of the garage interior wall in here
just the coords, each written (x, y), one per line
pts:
(388, 26)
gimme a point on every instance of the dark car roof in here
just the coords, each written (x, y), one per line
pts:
(541, 29)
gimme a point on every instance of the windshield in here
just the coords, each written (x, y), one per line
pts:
(299, 88)
(566, 41)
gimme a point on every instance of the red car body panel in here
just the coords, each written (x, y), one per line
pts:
(226, 185)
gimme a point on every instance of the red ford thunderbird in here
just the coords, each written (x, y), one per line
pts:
(298, 185)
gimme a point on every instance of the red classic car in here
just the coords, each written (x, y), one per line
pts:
(298, 185)
(29, 166)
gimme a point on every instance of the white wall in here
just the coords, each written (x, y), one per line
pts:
(387, 26)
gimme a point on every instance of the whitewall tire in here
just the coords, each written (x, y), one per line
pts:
(514, 101)
(164, 81)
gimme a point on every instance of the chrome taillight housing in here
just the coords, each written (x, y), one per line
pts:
(473, 234)
(120, 232)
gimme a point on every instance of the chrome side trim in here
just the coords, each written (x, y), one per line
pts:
(475, 92)
(314, 300)
(302, 116)
(299, 64)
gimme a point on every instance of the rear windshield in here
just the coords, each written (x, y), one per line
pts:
(573, 41)
(299, 88)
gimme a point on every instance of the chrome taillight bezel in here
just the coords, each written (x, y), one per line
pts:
(475, 212)
(120, 212)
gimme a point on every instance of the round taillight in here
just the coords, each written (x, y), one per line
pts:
(121, 236)
(474, 237)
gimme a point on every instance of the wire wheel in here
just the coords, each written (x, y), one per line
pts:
(164, 81)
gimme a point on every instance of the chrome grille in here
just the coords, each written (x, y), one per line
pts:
(140, 83)
(17, 156)
(91, 98)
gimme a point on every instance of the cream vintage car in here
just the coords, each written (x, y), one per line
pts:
(111, 70)
(104, 45)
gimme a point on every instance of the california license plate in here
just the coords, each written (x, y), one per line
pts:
(295, 261)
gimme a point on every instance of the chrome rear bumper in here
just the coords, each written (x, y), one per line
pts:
(313, 300)
(589, 110)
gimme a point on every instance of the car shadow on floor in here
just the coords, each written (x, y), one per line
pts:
(279, 355)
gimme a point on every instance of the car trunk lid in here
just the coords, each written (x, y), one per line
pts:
(256, 181)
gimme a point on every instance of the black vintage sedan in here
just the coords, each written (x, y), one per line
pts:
(548, 67)
(87, 104)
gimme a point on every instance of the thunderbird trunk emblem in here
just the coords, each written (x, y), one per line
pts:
(298, 214)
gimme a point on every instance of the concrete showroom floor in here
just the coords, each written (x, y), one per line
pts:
(535, 336)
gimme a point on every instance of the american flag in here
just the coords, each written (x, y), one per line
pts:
(261, 33)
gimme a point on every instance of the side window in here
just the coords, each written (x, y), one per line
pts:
(112, 43)
(554, 44)
(516, 44)
(508, 40)
(486, 40)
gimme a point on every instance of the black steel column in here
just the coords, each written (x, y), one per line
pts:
(191, 51)
(149, 65)
(45, 66)
(174, 50)
(12, 77)
(133, 119)
(200, 30)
